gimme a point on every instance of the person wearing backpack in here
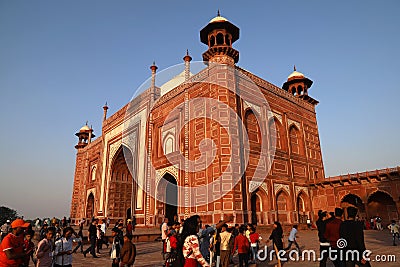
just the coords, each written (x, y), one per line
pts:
(128, 252)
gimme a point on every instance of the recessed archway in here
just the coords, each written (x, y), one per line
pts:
(382, 204)
(303, 207)
(90, 206)
(167, 192)
(356, 201)
(120, 190)
(282, 206)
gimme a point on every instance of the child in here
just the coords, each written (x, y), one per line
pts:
(171, 253)
(29, 246)
(128, 252)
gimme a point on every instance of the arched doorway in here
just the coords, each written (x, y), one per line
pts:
(282, 207)
(382, 204)
(90, 206)
(303, 208)
(356, 201)
(256, 207)
(167, 191)
(120, 191)
(128, 214)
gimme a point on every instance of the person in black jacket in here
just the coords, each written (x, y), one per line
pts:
(323, 242)
(353, 232)
(92, 236)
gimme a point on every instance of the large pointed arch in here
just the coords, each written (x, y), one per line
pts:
(121, 189)
(380, 203)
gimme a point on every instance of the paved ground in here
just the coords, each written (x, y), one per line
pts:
(149, 252)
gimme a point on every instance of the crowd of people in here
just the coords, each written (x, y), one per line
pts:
(190, 243)
(186, 243)
(56, 238)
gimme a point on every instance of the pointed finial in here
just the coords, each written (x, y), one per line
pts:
(153, 67)
(294, 67)
(106, 104)
(87, 122)
(187, 52)
(218, 14)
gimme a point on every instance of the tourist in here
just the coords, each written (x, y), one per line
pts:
(63, 249)
(12, 252)
(99, 238)
(164, 233)
(44, 252)
(323, 242)
(29, 246)
(190, 246)
(171, 248)
(394, 230)
(104, 230)
(5, 229)
(43, 231)
(128, 252)
(243, 247)
(292, 239)
(79, 237)
(352, 231)
(129, 227)
(276, 237)
(115, 247)
(92, 236)
(225, 250)
(204, 237)
(255, 238)
(332, 234)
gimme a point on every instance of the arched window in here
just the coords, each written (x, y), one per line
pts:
(293, 90)
(300, 89)
(169, 143)
(275, 132)
(94, 173)
(212, 40)
(220, 39)
(295, 142)
(227, 39)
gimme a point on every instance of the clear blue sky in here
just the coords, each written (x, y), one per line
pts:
(60, 61)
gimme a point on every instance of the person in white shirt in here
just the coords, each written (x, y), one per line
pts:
(63, 249)
(164, 233)
(292, 238)
(394, 230)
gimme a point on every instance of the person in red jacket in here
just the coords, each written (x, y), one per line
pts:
(332, 233)
(242, 245)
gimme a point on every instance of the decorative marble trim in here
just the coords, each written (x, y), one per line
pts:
(171, 131)
(278, 117)
(253, 186)
(170, 169)
(290, 122)
(298, 189)
(278, 187)
(265, 187)
(254, 107)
